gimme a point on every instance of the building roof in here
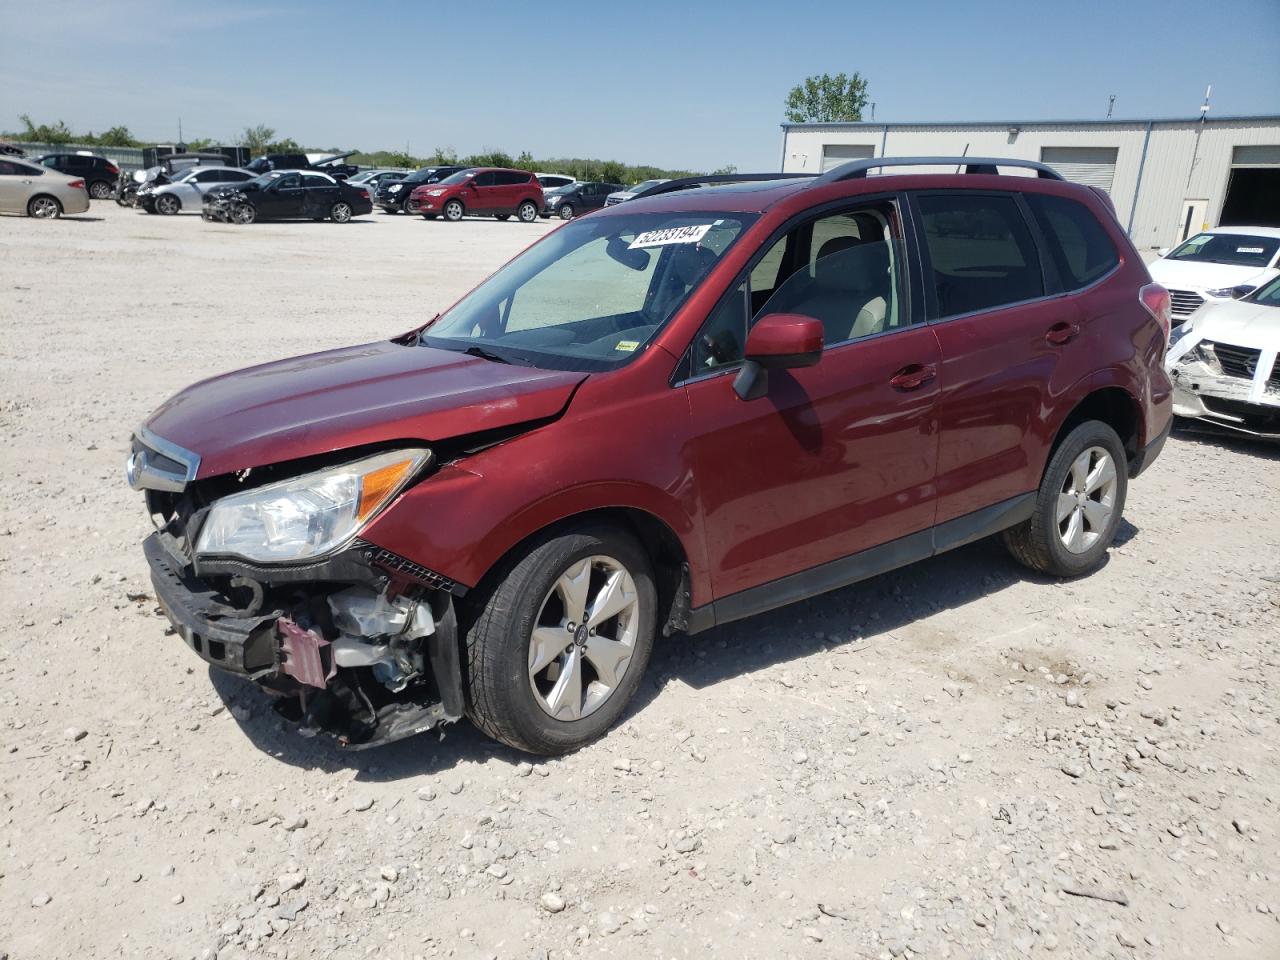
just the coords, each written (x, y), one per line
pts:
(1111, 121)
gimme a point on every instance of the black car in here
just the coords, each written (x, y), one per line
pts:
(98, 173)
(333, 165)
(287, 195)
(393, 196)
(567, 202)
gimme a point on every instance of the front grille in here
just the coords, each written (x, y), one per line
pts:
(1236, 361)
(1185, 302)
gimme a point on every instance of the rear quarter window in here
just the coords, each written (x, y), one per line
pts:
(1080, 247)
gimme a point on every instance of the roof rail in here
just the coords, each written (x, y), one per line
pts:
(689, 183)
(988, 165)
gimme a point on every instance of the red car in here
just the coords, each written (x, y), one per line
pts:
(674, 413)
(480, 191)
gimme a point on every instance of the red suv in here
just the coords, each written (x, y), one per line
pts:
(479, 191)
(677, 412)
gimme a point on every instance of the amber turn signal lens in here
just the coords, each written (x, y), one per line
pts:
(377, 486)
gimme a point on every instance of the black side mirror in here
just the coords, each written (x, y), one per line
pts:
(1242, 290)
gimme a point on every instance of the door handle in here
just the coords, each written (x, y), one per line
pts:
(1061, 333)
(913, 376)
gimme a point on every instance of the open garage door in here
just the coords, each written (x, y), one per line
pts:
(1092, 166)
(834, 154)
(1253, 192)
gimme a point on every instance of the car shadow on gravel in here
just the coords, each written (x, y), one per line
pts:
(1206, 435)
(857, 616)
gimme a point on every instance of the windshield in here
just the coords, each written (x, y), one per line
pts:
(1237, 249)
(421, 176)
(593, 293)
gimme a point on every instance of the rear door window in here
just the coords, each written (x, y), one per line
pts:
(1080, 247)
(981, 251)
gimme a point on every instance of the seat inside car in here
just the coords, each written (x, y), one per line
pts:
(850, 289)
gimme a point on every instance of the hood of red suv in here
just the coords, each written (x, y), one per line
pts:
(350, 397)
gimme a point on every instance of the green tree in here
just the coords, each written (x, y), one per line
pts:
(443, 155)
(728, 168)
(827, 99)
(287, 145)
(257, 138)
(45, 133)
(117, 137)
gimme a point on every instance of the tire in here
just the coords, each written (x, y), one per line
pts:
(1065, 541)
(244, 214)
(44, 207)
(100, 190)
(340, 212)
(429, 216)
(527, 212)
(566, 211)
(166, 204)
(454, 211)
(404, 206)
(502, 216)
(513, 701)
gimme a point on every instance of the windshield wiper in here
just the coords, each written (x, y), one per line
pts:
(484, 354)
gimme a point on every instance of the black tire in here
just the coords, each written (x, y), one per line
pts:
(100, 190)
(527, 211)
(429, 216)
(404, 207)
(44, 207)
(500, 696)
(1037, 542)
(566, 211)
(454, 211)
(502, 216)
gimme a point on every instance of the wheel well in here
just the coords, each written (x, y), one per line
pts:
(666, 553)
(1114, 407)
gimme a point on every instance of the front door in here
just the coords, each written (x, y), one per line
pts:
(835, 458)
(282, 197)
(1194, 218)
(484, 195)
(15, 185)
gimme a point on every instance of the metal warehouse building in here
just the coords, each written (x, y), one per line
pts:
(1167, 178)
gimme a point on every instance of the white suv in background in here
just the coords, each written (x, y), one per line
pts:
(1214, 265)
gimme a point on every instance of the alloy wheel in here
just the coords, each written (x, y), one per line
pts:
(243, 213)
(583, 638)
(44, 208)
(566, 211)
(341, 212)
(167, 204)
(1087, 499)
(453, 210)
(99, 190)
(527, 212)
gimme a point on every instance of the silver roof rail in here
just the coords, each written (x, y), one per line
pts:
(855, 169)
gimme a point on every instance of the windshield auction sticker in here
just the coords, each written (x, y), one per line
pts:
(662, 238)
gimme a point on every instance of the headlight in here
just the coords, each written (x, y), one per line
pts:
(396, 188)
(1223, 293)
(309, 515)
(435, 193)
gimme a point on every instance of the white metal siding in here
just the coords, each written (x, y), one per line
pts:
(834, 154)
(1256, 156)
(1092, 166)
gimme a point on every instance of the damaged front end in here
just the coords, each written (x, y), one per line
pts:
(356, 642)
(1229, 387)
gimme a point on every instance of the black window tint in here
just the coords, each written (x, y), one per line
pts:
(981, 251)
(485, 179)
(313, 180)
(1077, 242)
(8, 169)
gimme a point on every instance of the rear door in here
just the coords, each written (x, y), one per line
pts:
(320, 193)
(1004, 328)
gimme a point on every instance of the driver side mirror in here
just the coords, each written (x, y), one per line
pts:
(1242, 290)
(778, 341)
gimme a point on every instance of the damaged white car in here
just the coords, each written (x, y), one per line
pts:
(1223, 364)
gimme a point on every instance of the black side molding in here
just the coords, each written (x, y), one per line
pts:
(864, 564)
(1147, 455)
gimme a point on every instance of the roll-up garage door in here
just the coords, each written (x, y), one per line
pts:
(834, 154)
(1253, 192)
(1092, 166)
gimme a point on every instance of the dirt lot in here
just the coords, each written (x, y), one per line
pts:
(956, 760)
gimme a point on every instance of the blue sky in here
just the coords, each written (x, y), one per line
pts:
(681, 84)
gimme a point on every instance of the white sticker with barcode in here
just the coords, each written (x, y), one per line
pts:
(670, 235)
(1249, 250)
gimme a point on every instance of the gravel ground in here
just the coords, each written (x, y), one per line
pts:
(955, 760)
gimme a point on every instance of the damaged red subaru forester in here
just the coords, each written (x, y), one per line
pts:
(683, 410)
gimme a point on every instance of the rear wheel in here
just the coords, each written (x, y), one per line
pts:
(1078, 506)
(44, 208)
(566, 211)
(167, 204)
(453, 211)
(100, 190)
(527, 212)
(560, 643)
(340, 212)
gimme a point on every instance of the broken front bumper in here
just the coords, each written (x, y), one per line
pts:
(326, 679)
(1247, 406)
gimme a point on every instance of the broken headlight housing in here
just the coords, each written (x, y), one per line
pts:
(310, 515)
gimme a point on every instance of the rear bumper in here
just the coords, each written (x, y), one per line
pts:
(75, 202)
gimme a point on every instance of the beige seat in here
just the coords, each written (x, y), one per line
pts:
(850, 289)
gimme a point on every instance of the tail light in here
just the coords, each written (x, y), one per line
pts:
(1157, 302)
(76, 184)
(113, 169)
(364, 193)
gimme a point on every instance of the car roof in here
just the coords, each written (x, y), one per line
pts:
(1248, 231)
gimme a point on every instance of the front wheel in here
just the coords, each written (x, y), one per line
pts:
(244, 213)
(1078, 505)
(566, 211)
(340, 212)
(527, 212)
(167, 204)
(453, 211)
(559, 644)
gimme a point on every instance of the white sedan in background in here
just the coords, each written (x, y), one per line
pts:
(1225, 364)
(188, 190)
(1211, 267)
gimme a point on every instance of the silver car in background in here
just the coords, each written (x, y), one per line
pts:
(622, 196)
(187, 191)
(38, 191)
